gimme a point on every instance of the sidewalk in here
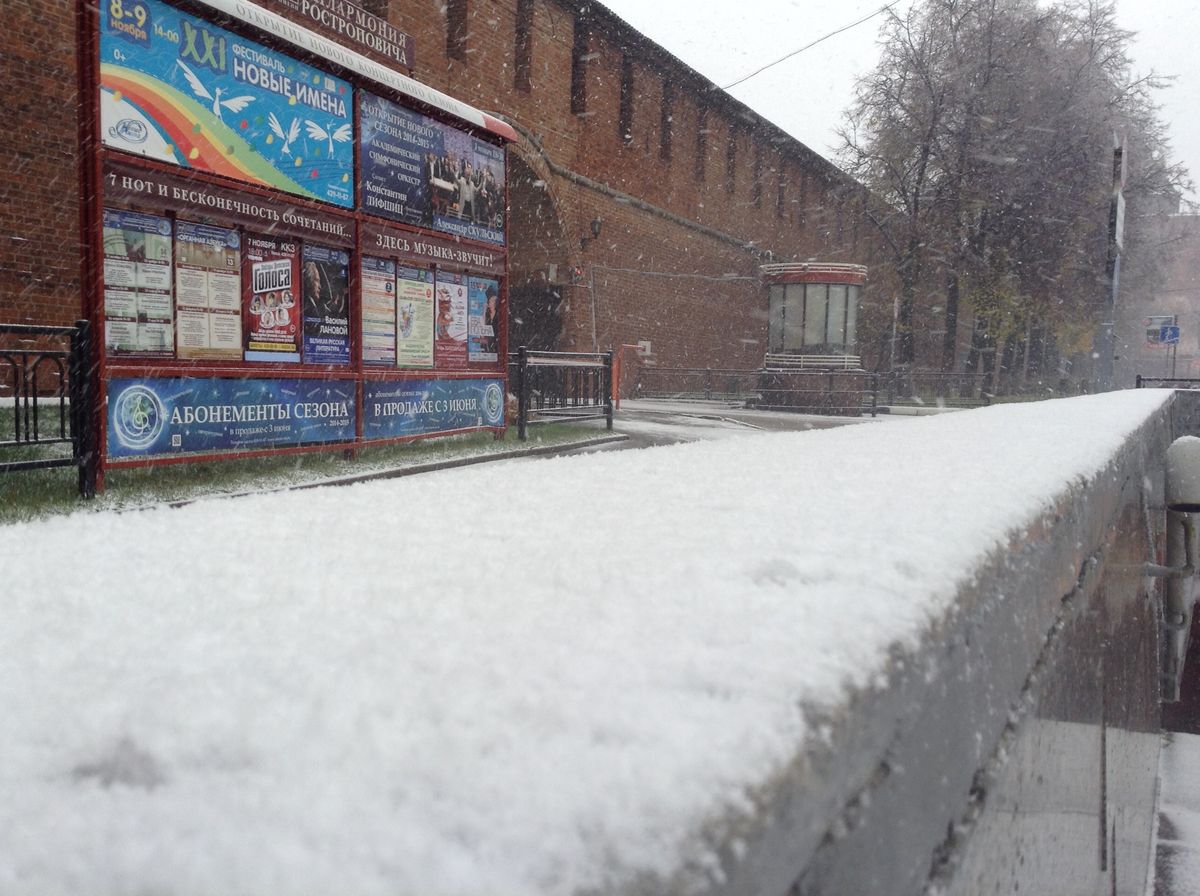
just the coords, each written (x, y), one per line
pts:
(1177, 860)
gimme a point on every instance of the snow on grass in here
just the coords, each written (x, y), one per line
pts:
(527, 677)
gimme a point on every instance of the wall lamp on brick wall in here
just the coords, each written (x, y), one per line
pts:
(597, 223)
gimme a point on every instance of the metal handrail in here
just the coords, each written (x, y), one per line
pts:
(72, 394)
(556, 386)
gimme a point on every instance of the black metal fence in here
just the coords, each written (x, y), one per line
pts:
(1156, 382)
(45, 396)
(935, 389)
(842, 393)
(815, 389)
(696, 382)
(553, 387)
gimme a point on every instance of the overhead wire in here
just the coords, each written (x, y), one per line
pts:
(826, 37)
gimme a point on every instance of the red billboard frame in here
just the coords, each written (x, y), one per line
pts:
(107, 179)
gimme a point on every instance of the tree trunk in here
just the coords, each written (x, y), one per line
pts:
(950, 338)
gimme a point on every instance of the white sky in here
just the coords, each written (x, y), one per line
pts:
(807, 94)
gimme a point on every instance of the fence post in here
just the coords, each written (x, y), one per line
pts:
(1138, 381)
(80, 388)
(874, 394)
(608, 390)
(615, 390)
(522, 393)
(708, 384)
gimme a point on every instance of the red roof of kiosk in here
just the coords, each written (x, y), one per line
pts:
(311, 42)
(814, 272)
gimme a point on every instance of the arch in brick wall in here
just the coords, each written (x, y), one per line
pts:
(539, 253)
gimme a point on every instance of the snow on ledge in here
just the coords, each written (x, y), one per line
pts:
(528, 677)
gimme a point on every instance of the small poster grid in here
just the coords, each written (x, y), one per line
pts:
(204, 311)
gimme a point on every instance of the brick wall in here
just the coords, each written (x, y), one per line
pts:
(676, 266)
(39, 193)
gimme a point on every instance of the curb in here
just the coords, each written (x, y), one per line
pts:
(397, 472)
(434, 466)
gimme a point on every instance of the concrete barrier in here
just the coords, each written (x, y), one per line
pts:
(1016, 749)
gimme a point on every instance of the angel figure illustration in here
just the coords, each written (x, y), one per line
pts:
(340, 135)
(233, 103)
(287, 136)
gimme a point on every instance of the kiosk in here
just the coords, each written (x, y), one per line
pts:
(812, 363)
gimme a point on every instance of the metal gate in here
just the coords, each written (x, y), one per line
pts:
(45, 384)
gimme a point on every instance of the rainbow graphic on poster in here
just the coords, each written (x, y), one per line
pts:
(180, 90)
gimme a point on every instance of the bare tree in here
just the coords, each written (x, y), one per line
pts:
(985, 135)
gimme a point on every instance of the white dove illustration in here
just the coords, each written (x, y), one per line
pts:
(316, 132)
(233, 104)
(292, 132)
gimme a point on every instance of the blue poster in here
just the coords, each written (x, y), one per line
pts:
(180, 415)
(479, 182)
(422, 172)
(483, 320)
(421, 407)
(177, 89)
(325, 282)
(396, 160)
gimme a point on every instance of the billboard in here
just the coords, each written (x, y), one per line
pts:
(428, 174)
(177, 89)
(180, 415)
(421, 407)
(450, 326)
(208, 292)
(137, 283)
(483, 319)
(378, 279)
(325, 277)
(414, 317)
(270, 308)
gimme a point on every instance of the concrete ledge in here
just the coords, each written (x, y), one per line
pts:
(897, 794)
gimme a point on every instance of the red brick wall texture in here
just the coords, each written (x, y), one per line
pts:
(691, 194)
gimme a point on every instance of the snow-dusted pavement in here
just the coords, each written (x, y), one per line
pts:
(526, 677)
(662, 422)
(1178, 862)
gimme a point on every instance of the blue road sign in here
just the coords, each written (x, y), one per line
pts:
(1168, 335)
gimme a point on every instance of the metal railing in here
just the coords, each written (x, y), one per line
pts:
(553, 387)
(779, 361)
(47, 391)
(1144, 382)
(805, 383)
(935, 389)
(695, 383)
(843, 393)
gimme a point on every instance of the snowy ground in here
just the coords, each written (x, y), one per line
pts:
(659, 421)
(528, 677)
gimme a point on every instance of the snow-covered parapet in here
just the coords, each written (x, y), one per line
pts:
(725, 667)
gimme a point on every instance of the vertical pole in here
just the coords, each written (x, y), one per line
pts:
(874, 394)
(74, 374)
(83, 373)
(615, 374)
(522, 393)
(93, 424)
(1138, 382)
(707, 383)
(608, 391)
(1105, 338)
